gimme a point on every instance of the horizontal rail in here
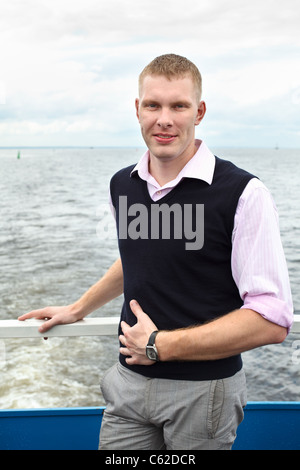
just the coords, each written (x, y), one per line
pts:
(92, 326)
(296, 324)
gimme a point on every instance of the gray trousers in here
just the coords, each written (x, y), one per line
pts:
(160, 414)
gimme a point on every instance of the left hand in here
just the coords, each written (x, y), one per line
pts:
(135, 338)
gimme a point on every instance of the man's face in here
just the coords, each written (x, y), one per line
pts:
(168, 112)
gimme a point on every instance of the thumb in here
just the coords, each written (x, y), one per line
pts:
(49, 323)
(136, 308)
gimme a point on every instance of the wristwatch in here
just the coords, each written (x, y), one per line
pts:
(151, 350)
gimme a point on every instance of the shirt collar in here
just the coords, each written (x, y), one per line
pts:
(201, 166)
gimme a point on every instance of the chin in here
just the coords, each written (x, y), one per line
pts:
(163, 155)
(163, 151)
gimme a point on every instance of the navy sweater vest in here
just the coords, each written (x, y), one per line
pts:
(179, 280)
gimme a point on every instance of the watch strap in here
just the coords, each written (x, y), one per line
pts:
(152, 337)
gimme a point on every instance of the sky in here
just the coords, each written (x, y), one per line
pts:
(69, 69)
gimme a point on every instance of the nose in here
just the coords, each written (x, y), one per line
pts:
(164, 119)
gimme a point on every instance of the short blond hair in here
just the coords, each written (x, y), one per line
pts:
(173, 66)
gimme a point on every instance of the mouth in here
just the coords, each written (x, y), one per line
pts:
(164, 138)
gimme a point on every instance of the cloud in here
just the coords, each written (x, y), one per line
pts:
(71, 67)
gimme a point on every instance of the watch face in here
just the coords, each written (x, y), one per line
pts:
(151, 354)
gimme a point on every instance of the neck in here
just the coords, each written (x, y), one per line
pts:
(165, 170)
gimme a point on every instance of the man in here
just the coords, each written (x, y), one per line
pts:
(203, 275)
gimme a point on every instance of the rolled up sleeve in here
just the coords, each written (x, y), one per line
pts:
(258, 262)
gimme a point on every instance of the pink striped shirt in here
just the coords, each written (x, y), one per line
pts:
(258, 261)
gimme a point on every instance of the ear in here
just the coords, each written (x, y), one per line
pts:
(137, 102)
(200, 113)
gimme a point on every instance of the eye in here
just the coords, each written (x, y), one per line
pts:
(179, 106)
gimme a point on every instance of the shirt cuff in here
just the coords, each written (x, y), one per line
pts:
(271, 308)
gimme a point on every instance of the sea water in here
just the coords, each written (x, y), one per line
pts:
(50, 254)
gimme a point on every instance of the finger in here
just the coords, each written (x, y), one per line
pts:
(124, 326)
(125, 352)
(135, 360)
(130, 361)
(25, 316)
(39, 314)
(122, 339)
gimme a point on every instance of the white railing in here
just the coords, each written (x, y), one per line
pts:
(91, 326)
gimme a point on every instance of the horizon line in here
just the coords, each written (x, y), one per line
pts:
(91, 147)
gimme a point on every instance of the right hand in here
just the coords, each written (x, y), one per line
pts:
(53, 316)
